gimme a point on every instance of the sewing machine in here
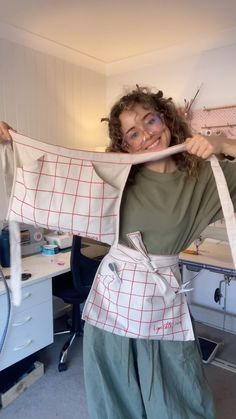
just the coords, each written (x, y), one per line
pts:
(62, 240)
(32, 239)
(209, 266)
(213, 234)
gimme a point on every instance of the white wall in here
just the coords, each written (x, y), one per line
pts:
(62, 102)
(50, 99)
(179, 73)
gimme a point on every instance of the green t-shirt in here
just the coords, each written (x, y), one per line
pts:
(172, 209)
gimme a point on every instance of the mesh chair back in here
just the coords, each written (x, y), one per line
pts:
(83, 268)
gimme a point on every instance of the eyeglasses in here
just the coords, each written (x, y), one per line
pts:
(152, 124)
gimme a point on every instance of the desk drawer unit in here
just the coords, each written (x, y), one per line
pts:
(31, 324)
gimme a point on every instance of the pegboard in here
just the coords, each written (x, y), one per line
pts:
(208, 121)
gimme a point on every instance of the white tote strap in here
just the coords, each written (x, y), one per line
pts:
(227, 205)
(14, 228)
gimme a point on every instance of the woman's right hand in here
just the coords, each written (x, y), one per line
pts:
(4, 132)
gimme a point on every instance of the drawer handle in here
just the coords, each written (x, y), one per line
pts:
(18, 348)
(26, 295)
(27, 319)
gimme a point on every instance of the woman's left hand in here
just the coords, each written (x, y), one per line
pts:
(204, 147)
(4, 132)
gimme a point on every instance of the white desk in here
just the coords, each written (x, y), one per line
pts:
(213, 256)
(213, 279)
(31, 324)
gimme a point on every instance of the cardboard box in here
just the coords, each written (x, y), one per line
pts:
(22, 384)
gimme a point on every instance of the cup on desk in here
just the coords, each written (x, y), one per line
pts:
(50, 249)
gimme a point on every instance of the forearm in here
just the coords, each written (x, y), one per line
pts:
(204, 147)
(6, 156)
(229, 147)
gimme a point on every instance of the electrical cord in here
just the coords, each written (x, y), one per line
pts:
(3, 337)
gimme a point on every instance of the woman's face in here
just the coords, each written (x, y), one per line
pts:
(144, 130)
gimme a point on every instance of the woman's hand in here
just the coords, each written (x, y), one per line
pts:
(4, 132)
(204, 147)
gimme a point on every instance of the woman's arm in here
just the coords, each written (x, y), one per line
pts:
(229, 148)
(4, 132)
(204, 147)
(6, 167)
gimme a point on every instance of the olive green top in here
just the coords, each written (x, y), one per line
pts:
(172, 209)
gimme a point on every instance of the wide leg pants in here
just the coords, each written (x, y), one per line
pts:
(150, 379)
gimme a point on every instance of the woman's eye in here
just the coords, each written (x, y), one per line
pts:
(151, 121)
(134, 135)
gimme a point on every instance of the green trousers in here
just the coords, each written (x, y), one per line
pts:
(144, 379)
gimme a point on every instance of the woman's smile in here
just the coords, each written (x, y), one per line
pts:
(151, 145)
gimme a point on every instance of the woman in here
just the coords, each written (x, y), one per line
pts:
(170, 202)
(165, 206)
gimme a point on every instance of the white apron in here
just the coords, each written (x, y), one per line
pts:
(139, 295)
(80, 192)
(68, 190)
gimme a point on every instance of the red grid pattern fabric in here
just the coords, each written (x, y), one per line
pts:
(61, 192)
(66, 194)
(71, 190)
(130, 302)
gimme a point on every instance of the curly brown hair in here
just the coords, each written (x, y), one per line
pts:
(177, 124)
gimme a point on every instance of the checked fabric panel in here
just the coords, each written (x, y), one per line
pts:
(70, 190)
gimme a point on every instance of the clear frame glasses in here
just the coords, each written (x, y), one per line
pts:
(151, 124)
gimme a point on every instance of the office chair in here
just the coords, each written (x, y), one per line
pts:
(73, 288)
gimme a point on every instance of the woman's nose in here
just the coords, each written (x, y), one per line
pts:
(146, 135)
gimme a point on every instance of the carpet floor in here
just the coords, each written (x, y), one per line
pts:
(61, 395)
